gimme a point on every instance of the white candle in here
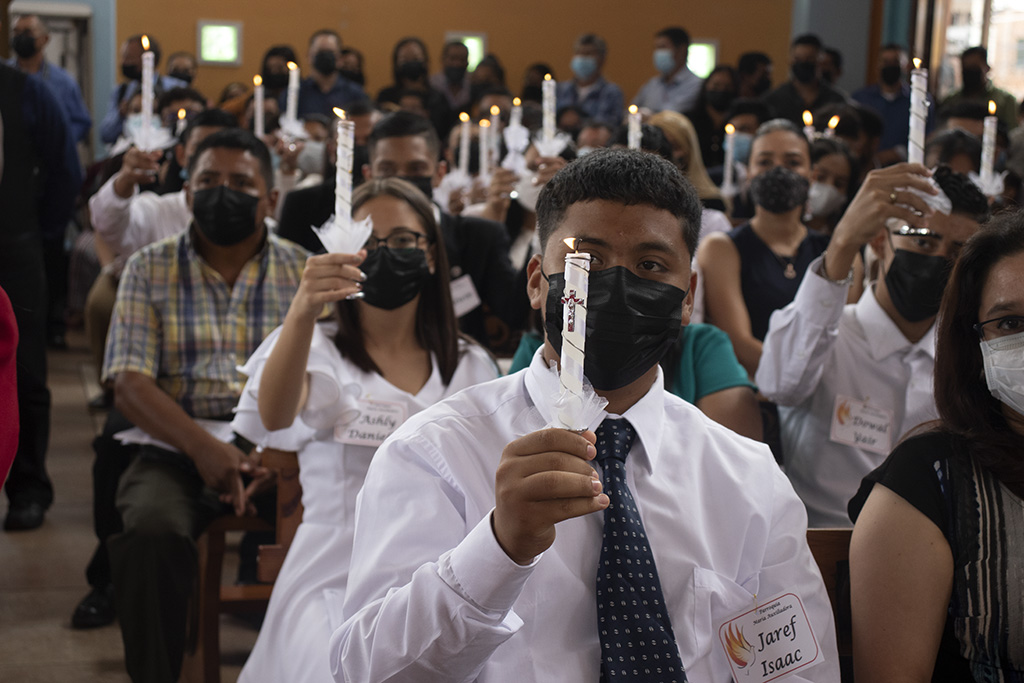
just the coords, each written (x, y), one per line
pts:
(730, 158)
(516, 119)
(918, 113)
(258, 125)
(346, 130)
(634, 135)
(464, 134)
(148, 65)
(484, 147)
(292, 109)
(180, 127)
(495, 137)
(574, 332)
(830, 131)
(808, 125)
(988, 146)
(548, 104)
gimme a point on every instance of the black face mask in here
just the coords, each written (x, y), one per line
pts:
(891, 74)
(631, 324)
(531, 93)
(805, 72)
(394, 276)
(354, 76)
(133, 72)
(182, 76)
(916, 283)
(719, 100)
(224, 216)
(411, 71)
(24, 45)
(973, 78)
(454, 75)
(325, 62)
(779, 190)
(423, 183)
(275, 81)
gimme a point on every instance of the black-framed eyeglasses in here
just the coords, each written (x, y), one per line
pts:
(400, 238)
(1003, 326)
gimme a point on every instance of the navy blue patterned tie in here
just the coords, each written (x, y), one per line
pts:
(637, 643)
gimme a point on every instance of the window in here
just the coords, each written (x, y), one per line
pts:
(702, 57)
(220, 42)
(476, 43)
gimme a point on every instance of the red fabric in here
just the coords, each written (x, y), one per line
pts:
(8, 385)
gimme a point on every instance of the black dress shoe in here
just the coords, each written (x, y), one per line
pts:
(96, 609)
(24, 516)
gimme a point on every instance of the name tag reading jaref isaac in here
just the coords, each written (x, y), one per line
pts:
(770, 641)
(858, 424)
(376, 421)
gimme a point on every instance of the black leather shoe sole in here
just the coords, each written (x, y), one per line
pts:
(96, 609)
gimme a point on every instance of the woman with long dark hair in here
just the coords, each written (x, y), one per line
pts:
(333, 392)
(937, 557)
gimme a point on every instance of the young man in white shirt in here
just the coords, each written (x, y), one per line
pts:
(855, 378)
(457, 572)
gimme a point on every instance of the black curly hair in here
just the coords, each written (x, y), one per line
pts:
(963, 193)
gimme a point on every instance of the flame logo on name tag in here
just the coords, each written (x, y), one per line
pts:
(843, 412)
(740, 651)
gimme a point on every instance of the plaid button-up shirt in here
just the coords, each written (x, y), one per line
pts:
(176, 319)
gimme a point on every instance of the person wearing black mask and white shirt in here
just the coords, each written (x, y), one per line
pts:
(976, 87)
(325, 88)
(805, 90)
(478, 540)
(852, 379)
(190, 309)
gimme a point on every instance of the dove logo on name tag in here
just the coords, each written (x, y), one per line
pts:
(858, 424)
(769, 641)
(464, 295)
(376, 422)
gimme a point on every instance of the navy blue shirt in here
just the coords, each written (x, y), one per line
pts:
(312, 100)
(895, 114)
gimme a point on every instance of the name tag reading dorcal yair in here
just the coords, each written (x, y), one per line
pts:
(769, 641)
(376, 421)
(861, 425)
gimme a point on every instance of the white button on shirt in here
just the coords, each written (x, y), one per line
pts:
(817, 349)
(433, 597)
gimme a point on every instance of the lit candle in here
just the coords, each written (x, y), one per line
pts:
(988, 146)
(574, 329)
(730, 158)
(548, 103)
(484, 145)
(830, 132)
(180, 128)
(808, 125)
(258, 125)
(464, 144)
(918, 113)
(495, 137)
(292, 110)
(517, 113)
(148, 64)
(343, 172)
(634, 136)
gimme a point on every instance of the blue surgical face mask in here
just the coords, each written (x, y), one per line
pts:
(584, 67)
(741, 143)
(664, 61)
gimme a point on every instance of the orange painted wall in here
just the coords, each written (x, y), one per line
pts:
(373, 26)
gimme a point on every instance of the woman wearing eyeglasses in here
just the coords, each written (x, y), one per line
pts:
(937, 556)
(333, 391)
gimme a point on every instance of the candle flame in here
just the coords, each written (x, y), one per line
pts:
(257, 80)
(729, 129)
(292, 66)
(917, 63)
(485, 123)
(833, 122)
(571, 242)
(495, 110)
(547, 77)
(808, 118)
(145, 43)
(464, 117)
(340, 113)
(516, 101)
(633, 109)
(991, 107)
(181, 114)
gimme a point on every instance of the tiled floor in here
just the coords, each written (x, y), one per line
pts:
(43, 571)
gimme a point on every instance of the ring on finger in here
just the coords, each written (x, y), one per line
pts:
(892, 197)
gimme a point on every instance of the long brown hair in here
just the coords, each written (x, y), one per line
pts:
(966, 407)
(436, 327)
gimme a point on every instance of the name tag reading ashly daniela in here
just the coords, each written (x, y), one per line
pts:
(769, 641)
(376, 421)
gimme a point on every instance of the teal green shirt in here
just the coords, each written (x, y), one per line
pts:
(707, 362)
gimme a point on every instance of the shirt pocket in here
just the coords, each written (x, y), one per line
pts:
(717, 599)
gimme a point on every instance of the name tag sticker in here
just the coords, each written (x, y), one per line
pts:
(857, 424)
(376, 421)
(464, 295)
(770, 641)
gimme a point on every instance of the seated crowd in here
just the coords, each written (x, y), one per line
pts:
(785, 329)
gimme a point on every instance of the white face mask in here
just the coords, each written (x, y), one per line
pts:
(527, 193)
(824, 200)
(1004, 369)
(311, 158)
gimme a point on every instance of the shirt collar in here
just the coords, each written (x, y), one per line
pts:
(883, 336)
(646, 415)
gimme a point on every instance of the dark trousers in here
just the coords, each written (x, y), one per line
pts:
(22, 277)
(112, 459)
(56, 260)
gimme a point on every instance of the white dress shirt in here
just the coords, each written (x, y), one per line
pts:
(433, 597)
(679, 93)
(820, 358)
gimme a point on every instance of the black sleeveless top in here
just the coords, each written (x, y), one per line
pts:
(763, 273)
